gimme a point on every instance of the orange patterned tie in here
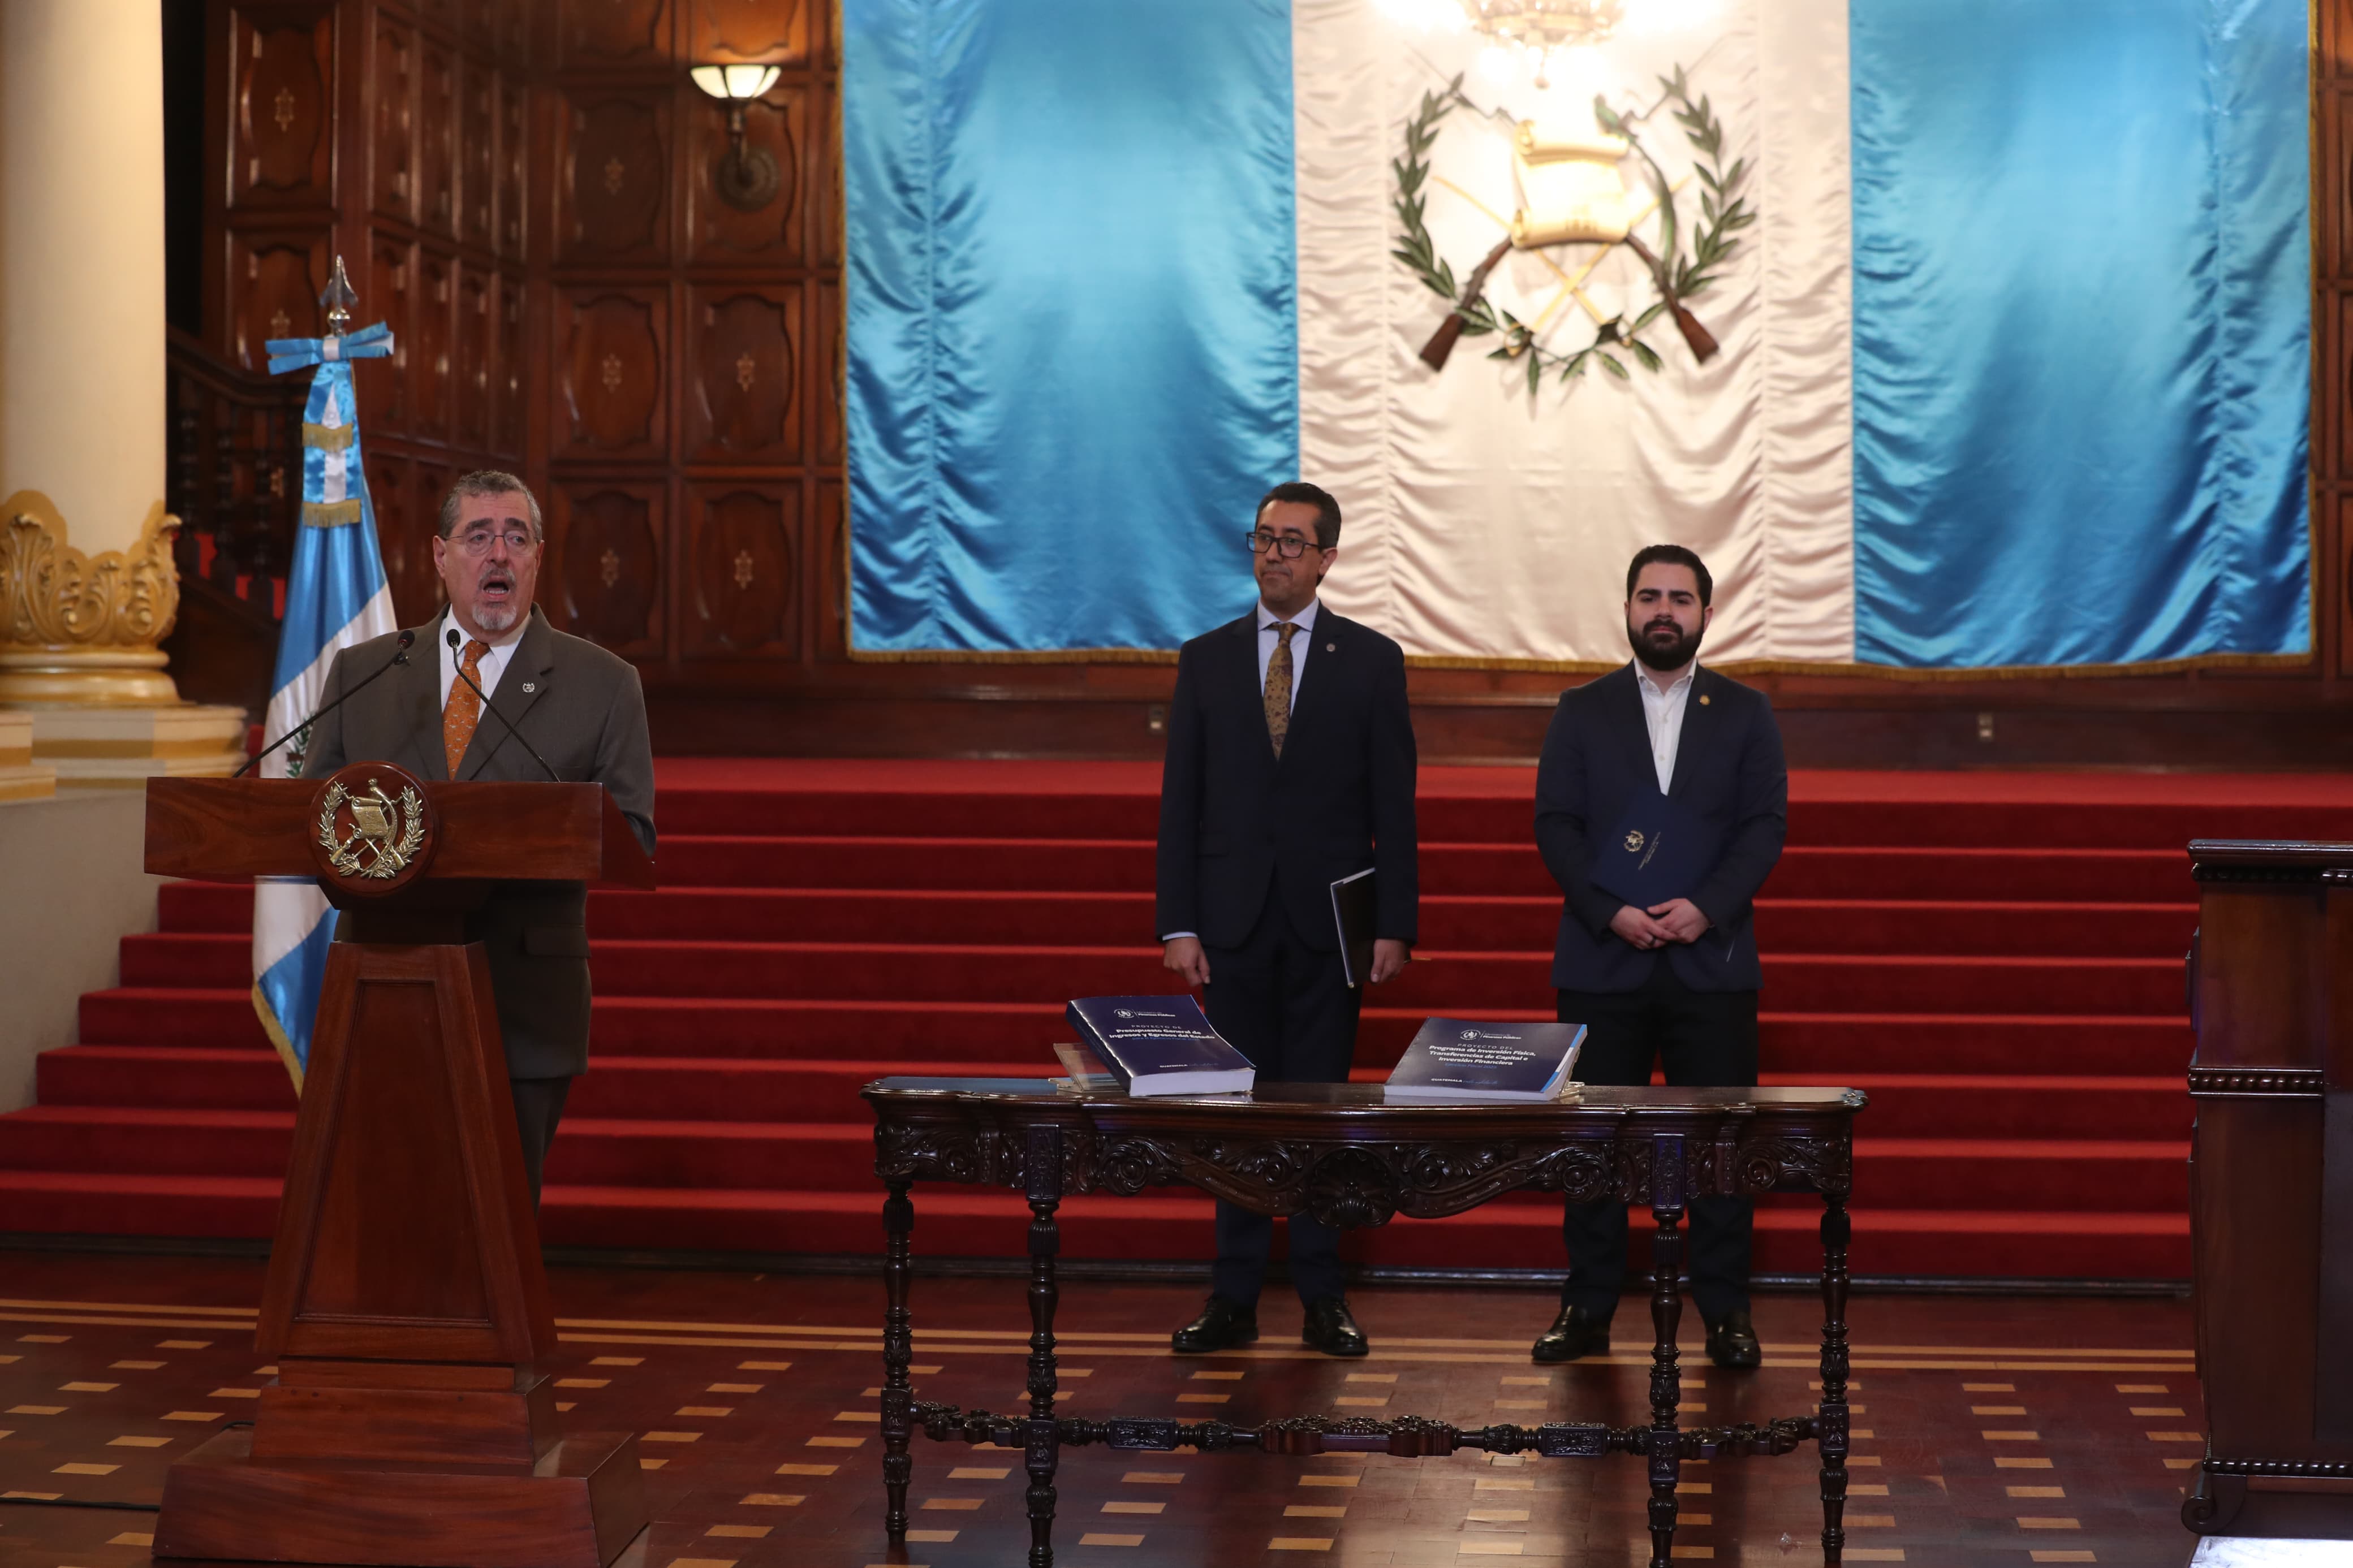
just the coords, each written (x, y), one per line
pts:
(465, 710)
(1278, 687)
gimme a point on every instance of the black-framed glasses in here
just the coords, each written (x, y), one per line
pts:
(1289, 546)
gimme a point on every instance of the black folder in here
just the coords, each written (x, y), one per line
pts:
(1658, 852)
(1352, 912)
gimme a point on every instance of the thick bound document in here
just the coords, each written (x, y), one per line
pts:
(1458, 1058)
(1160, 1045)
(1351, 912)
(1658, 852)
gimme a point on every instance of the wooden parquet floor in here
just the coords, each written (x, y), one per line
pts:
(2002, 1431)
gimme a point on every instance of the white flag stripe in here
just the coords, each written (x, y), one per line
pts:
(1486, 525)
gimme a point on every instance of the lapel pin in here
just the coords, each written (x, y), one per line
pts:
(1703, 701)
(1331, 647)
(531, 686)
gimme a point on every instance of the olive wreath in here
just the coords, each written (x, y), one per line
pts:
(1724, 212)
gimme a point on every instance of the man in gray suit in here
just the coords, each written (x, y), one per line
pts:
(576, 705)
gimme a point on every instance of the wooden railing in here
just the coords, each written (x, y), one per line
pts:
(236, 475)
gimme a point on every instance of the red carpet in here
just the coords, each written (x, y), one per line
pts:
(1997, 959)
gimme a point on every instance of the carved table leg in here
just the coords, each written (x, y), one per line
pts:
(1830, 1419)
(898, 1351)
(1041, 1437)
(1666, 1311)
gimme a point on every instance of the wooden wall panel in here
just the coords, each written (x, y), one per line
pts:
(282, 149)
(762, 30)
(595, 33)
(615, 179)
(276, 279)
(603, 576)
(743, 582)
(777, 234)
(436, 139)
(745, 361)
(392, 88)
(615, 373)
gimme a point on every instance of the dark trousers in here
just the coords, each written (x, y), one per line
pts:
(1703, 1039)
(539, 1106)
(1290, 1010)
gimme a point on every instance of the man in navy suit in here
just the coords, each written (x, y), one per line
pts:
(1290, 765)
(1677, 981)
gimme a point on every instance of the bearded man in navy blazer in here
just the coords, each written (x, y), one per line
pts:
(1677, 981)
(1290, 765)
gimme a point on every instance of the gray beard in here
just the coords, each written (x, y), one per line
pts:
(498, 620)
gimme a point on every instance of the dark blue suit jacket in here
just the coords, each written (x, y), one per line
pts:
(1236, 823)
(1728, 772)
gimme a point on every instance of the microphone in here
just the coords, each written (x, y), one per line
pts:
(460, 667)
(400, 655)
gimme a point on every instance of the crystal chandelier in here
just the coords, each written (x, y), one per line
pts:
(1530, 27)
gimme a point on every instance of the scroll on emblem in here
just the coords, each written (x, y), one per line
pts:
(371, 828)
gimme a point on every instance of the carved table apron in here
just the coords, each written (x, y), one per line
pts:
(1340, 1153)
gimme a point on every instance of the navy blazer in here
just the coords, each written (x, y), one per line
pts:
(1728, 772)
(1235, 822)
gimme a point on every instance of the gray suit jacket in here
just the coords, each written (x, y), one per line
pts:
(585, 710)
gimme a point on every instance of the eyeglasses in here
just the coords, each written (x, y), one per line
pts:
(1289, 546)
(477, 540)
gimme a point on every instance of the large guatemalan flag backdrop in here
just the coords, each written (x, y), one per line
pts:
(2014, 363)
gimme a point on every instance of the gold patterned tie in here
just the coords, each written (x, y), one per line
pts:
(1278, 686)
(464, 710)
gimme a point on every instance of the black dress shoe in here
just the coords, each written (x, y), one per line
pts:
(1732, 1341)
(1330, 1329)
(1576, 1333)
(1220, 1326)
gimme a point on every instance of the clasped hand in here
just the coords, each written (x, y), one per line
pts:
(1677, 919)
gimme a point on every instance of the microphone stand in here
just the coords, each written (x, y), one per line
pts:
(459, 666)
(400, 655)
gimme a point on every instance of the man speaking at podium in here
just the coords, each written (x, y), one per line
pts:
(1289, 766)
(560, 707)
(1661, 751)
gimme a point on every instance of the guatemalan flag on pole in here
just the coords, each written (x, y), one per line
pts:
(336, 594)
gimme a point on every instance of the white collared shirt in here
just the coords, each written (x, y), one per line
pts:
(1266, 641)
(1664, 713)
(494, 663)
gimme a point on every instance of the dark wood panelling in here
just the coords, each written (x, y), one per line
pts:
(776, 125)
(616, 178)
(281, 152)
(741, 406)
(384, 399)
(614, 358)
(392, 99)
(437, 139)
(603, 577)
(514, 165)
(770, 31)
(275, 283)
(478, 160)
(507, 415)
(823, 377)
(475, 365)
(743, 583)
(432, 319)
(613, 32)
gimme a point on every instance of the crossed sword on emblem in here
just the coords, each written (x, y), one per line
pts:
(1442, 342)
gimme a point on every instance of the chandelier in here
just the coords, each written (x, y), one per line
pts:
(1529, 27)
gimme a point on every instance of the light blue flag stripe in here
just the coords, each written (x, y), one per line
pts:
(286, 994)
(1073, 335)
(2082, 330)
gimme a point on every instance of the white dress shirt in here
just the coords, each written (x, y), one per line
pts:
(1268, 640)
(494, 663)
(1664, 711)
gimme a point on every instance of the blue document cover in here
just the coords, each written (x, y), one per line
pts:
(1160, 1045)
(1462, 1059)
(1659, 851)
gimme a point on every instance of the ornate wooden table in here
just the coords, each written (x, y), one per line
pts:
(1339, 1153)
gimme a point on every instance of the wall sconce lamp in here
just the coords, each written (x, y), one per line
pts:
(746, 178)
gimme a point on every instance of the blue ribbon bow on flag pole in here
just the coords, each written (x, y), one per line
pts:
(337, 595)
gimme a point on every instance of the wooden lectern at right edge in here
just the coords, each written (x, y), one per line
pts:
(2270, 1188)
(407, 1309)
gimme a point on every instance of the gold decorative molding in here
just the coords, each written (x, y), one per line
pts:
(78, 627)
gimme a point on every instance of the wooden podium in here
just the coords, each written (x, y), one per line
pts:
(406, 1307)
(2270, 1187)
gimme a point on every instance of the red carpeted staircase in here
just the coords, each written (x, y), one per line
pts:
(1996, 959)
